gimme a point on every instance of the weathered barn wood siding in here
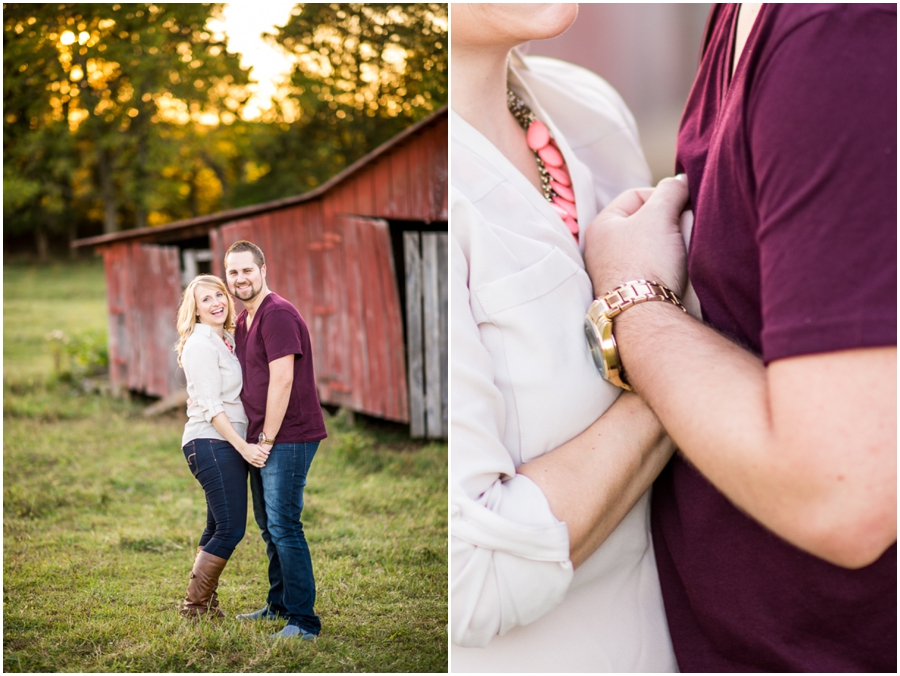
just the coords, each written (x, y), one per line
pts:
(426, 332)
(143, 284)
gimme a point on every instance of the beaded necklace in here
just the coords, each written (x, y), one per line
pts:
(556, 184)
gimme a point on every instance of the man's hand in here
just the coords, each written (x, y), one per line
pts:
(637, 236)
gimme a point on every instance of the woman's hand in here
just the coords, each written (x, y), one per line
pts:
(637, 236)
(255, 454)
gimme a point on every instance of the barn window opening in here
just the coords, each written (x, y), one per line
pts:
(195, 262)
(420, 255)
(397, 228)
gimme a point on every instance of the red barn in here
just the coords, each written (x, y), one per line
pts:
(363, 258)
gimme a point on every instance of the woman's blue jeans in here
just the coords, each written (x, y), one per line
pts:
(277, 492)
(222, 472)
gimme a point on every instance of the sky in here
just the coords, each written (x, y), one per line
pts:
(243, 23)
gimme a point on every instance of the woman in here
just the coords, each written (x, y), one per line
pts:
(213, 440)
(552, 566)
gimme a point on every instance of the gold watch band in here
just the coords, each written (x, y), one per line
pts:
(631, 293)
(600, 314)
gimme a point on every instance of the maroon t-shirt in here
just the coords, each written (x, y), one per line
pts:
(278, 330)
(793, 179)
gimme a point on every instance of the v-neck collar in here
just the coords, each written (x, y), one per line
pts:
(737, 62)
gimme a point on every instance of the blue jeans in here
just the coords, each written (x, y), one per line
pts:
(277, 492)
(222, 472)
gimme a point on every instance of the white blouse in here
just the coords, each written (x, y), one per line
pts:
(214, 384)
(523, 382)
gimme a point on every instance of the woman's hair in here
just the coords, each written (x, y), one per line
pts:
(187, 311)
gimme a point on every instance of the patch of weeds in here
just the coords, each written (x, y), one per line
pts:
(358, 450)
(411, 459)
(77, 356)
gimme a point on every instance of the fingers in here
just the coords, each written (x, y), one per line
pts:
(669, 198)
(628, 202)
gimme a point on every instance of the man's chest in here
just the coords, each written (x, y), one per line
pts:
(251, 352)
(724, 256)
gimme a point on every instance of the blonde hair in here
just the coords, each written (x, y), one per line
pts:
(187, 311)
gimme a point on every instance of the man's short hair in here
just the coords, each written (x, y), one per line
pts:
(243, 245)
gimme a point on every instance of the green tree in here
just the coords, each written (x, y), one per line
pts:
(37, 148)
(106, 95)
(362, 74)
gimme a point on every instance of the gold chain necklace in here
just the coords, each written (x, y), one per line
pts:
(556, 184)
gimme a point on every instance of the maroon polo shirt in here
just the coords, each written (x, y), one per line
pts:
(278, 330)
(793, 176)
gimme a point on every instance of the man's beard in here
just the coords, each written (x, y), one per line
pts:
(251, 290)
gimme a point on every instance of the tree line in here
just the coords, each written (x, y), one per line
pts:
(120, 116)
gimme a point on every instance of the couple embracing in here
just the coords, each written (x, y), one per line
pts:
(252, 409)
(765, 422)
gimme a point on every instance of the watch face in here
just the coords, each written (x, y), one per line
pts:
(594, 344)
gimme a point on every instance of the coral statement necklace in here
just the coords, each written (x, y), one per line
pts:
(556, 184)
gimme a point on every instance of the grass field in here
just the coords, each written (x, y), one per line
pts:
(101, 518)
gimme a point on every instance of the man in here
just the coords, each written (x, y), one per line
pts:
(775, 533)
(279, 395)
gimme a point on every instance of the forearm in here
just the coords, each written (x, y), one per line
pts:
(224, 427)
(775, 455)
(276, 405)
(592, 481)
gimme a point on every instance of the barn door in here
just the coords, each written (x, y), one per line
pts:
(362, 353)
(425, 258)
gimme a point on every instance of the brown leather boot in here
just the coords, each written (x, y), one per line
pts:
(214, 600)
(201, 589)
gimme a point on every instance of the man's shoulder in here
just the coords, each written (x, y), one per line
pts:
(275, 303)
(279, 318)
(786, 18)
(275, 306)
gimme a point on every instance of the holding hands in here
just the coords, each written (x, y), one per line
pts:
(255, 454)
(637, 236)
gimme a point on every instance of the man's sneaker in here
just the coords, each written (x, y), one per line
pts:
(261, 614)
(293, 631)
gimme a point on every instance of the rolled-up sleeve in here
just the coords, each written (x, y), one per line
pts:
(509, 554)
(201, 368)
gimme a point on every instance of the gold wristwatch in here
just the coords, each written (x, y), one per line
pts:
(264, 440)
(598, 325)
